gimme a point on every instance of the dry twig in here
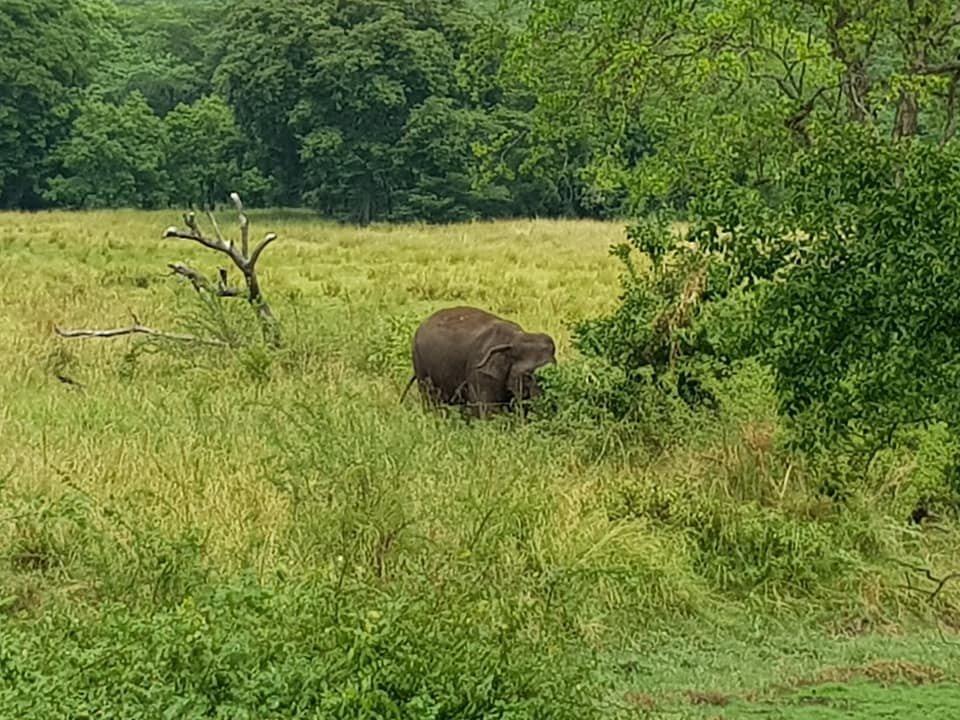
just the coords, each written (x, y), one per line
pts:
(135, 329)
(941, 582)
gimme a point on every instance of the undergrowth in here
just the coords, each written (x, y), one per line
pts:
(249, 532)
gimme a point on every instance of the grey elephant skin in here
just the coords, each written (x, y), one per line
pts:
(469, 357)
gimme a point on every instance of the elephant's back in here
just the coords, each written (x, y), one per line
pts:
(453, 328)
(466, 319)
(461, 315)
(448, 339)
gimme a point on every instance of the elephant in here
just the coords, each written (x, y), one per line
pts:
(468, 357)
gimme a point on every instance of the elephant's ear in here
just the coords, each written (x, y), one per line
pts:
(489, 354)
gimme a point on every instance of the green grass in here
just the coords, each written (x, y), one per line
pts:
(196, 531)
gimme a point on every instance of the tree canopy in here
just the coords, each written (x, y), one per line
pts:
(450, 109)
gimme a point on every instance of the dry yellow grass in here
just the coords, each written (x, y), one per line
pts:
(171, 445)
(71, 266)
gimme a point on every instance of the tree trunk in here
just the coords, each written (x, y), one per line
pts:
(856, 86)
(855, 82)
(908, 112)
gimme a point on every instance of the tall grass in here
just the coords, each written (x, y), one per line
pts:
(183, 491)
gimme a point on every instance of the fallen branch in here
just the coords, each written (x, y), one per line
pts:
(136, 329)
(67, 380)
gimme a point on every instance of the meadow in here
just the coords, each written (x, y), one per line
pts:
(193, 531)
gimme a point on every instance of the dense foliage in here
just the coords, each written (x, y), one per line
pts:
(47, 52)
(362, 109)
(845, 290)
(451, 109)
(810, 146)
(245, 650)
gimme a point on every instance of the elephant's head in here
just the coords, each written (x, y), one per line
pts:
(524, 355)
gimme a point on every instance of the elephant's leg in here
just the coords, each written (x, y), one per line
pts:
(483, 399)
(429, 393)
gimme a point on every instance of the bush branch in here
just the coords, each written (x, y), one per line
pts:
(941, 582)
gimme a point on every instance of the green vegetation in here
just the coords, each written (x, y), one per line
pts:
(445, 110)
(739, 495)
(248, 530)
(364, 109)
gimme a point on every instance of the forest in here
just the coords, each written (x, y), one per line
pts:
(448, 110)
(738, 494)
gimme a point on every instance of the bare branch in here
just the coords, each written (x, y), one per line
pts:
(942, 69)
(66, 380)
(244, 224)
(245, 264)
(942, 583)
(135, 329)
(216, 228)
(206, 242)
(223, 286)
(190, 220)
(201, 283)
(260, 248)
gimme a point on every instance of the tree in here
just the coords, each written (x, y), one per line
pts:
(374, 63)
(205, 138)
(862, 328)
(725, 90)
(165, 52)
(113, 157)
(435, 165)
(334, 93)
(265, 49)
(534, 164)
(47, 53)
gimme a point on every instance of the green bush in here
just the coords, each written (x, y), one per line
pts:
(311, 650)
(649, 338)
(849, 290)
(862, 329)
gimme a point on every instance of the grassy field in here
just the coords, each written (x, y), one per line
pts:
(247, 532)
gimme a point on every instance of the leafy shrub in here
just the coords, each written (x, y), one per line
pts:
(314, 650)
(862, 331)
(848, 290)
(114, 157)
(654, 330)
(917, 475)
(597, 404)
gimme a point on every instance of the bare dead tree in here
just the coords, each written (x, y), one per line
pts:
(241, 257)
(244, 260)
